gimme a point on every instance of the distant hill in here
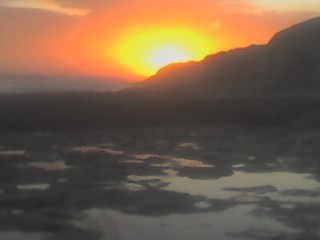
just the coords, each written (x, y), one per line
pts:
(288, 65)
(46, 84)
(276, 86)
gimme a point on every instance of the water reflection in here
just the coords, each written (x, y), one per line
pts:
(202, 204)
(222, 225)
(34, 187)
(50, 166)
(86, 149)
(191, 145)
(276, 186)
(165, 183)
(170, 161)
(12, 152)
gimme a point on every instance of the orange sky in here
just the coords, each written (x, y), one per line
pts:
(118, 37)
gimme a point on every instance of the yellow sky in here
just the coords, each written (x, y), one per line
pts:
(133, 38)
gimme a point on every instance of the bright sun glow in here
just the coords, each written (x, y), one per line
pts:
(143, 53)
(162, 55)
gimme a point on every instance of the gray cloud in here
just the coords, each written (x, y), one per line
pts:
(92, 4)
(46, 5)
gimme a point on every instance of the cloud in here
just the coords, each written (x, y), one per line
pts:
(289, 5)
(46, 5)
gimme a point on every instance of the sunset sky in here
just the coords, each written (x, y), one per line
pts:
(133, 38)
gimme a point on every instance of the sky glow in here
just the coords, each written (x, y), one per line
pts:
(133, 38)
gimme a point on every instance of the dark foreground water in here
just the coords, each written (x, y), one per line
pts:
(161, 183)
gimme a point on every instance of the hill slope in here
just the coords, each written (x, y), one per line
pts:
(275, 86)
(288, 64)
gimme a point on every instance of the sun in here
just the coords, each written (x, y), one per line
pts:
(164, 54)
(143, 53)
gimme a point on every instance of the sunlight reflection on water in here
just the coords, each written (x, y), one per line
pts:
(85, 149)
(33, 187)
(115, 225)
(173, 161)
(12, 152)
(217, 188)
(223, 225)
(50, 166)
(174, 185)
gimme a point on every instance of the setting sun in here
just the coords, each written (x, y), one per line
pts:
(164, 54)
(131, 40)
(145, 52)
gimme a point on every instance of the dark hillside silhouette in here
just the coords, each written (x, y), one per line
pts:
(273, 85)
(294, 57)
(288, 64)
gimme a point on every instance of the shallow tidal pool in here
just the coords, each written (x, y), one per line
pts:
(161, 183)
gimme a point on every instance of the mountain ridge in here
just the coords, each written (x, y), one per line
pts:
(288, 64)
